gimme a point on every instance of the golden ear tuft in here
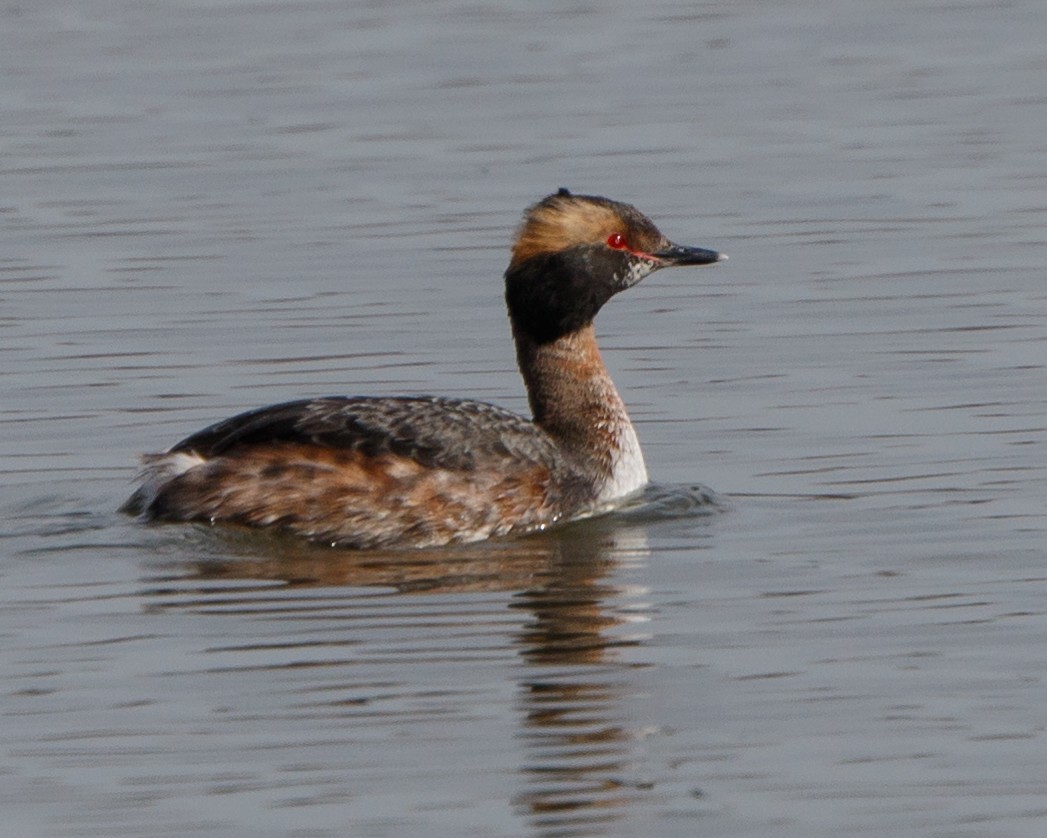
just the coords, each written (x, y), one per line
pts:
(564, 220)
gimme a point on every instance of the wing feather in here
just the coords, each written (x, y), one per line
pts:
(433, 431)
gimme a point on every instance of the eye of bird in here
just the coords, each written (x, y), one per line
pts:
(616, 241)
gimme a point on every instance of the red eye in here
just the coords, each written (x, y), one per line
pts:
(616, 241)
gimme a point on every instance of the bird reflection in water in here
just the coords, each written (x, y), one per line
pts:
(572, 702)
(579, 737)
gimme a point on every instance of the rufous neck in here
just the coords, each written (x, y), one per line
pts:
(574, 400)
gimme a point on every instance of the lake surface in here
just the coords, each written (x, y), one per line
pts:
(208, 207)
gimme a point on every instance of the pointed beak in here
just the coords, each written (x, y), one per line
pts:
(676, 254)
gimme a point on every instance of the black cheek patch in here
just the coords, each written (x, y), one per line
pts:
(554, 294)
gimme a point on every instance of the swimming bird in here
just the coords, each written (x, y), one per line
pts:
(421, 471)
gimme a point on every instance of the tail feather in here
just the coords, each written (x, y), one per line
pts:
(157, 471)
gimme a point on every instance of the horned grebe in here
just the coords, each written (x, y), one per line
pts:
(425, 471)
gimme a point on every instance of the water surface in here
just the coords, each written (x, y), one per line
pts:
(207, 207)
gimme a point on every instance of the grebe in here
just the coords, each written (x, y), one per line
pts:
(427, 471)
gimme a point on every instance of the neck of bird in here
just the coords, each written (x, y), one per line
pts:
(574, 400)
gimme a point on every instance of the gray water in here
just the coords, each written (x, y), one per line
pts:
(207, 207)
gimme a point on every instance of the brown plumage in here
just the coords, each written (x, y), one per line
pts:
(425, 471)
(349, 498)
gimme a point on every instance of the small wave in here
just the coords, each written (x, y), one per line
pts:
(661, 501)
